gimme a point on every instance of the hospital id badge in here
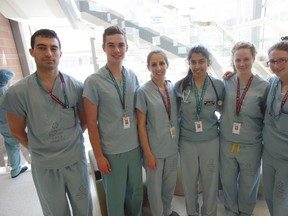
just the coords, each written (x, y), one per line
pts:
(198, 126)
(172, 131)
(236, 128)
(126, 122)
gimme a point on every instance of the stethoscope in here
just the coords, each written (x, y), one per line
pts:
(186, 94)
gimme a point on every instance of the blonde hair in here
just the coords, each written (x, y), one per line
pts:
(243, 45)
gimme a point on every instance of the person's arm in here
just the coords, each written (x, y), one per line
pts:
(142, 131)
(91, 113)
(17, 125)
(82, 119)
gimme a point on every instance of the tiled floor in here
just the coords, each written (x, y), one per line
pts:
(179, 206)
(18, 197)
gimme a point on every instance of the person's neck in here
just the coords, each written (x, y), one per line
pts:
(244, 77)
(284, 84)
(199, 80)
(47, 78)
(160, 83)
(115, 69)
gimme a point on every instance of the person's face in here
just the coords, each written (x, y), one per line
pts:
(46, 53)
(157, 65)
(278, 62)
(115, 48)
(243, 60)
(198, 64)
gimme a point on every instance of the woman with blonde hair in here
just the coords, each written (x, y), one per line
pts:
(241, 132)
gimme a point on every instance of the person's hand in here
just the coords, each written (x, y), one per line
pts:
(103, 165)
(151, 162)
(227, 75)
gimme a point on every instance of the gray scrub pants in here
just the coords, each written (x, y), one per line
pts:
(240, 174)
(275, 179)
(57, 187)
(200, 162)
(161, 185)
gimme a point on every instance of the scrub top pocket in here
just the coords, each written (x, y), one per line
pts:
(282, 123)
(68, 117)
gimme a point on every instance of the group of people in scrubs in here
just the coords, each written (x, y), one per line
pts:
(131, 125)
(231, 145)
(258, 132)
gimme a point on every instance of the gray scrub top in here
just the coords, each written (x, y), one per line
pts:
(275, 133)
(149, 101)
(251, 114)
(54, 133)
(207, 115)
(100, 90)
(4, 127)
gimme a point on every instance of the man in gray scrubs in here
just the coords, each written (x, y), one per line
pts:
(49, 103)
(109, 100)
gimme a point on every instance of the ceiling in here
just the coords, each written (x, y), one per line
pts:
(35, 12)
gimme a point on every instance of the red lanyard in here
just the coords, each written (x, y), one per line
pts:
(284, 100)
(239, 100)
(274, 95)
(168, 104)
(55, 98)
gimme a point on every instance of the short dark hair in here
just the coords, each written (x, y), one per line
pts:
(44, 33)
(111, 30)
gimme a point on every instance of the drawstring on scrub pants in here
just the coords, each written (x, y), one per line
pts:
(234, 146)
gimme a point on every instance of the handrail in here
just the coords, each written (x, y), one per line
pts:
(258, 66)
(260, 22)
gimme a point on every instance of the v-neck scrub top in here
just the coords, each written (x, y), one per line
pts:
(54, 133)
(149, 101)
(4, 127)
(251, 114)
(275, 131)
(207, 115)
(100, 90)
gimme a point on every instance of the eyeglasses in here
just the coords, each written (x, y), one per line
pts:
(279, 61)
